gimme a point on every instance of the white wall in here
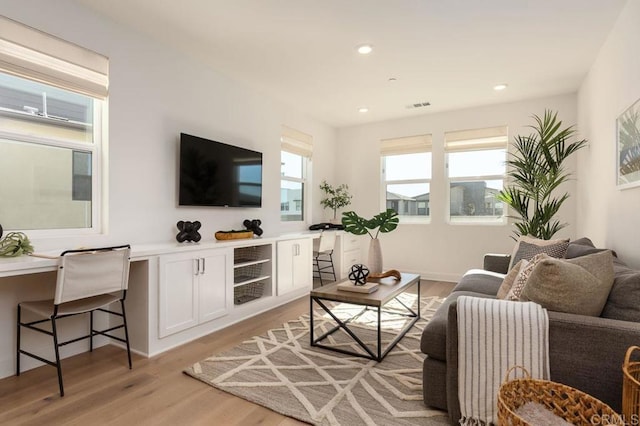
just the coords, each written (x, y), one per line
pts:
(440, 250)
(156, 93)
(608, 215)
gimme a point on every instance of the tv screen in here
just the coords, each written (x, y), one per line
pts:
(216, 174)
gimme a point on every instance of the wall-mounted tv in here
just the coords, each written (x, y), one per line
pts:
(216, 174)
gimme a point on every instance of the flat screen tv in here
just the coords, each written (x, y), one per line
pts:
(216, 174)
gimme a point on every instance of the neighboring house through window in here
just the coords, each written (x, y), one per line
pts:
(52, 115)
(295, 156)
(476, 167)
(406, 176)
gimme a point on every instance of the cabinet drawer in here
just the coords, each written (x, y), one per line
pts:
(350, 242)
(349, 258)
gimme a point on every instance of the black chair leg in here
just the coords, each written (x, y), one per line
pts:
(126, 333)
(18, 341)
(91, 331)
(57, 351)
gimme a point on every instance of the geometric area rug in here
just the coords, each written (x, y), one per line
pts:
(281, 371)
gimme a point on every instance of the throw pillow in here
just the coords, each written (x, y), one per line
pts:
(624, 298)
(576, 286)
(510, 278)
(535, 241)
(523, 276)
(527, 250)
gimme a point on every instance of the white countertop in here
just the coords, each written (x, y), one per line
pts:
(47, 261)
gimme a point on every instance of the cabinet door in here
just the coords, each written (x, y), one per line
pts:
(178, 293)
(294, 265)
(213, 285)
(303, 265)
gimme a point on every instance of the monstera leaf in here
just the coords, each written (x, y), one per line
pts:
(385, 221)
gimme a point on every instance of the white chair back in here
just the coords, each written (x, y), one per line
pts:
(91, 272)
(327, 241)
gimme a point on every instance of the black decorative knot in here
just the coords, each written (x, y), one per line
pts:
(188, 231)
(253, 225)
(358, 274)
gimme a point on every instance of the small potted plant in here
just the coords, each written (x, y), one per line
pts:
(385, 221)
(335, 197)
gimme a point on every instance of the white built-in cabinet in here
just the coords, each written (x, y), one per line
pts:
(348, 253)
(192, 289)
(294, 265)
(252, 273)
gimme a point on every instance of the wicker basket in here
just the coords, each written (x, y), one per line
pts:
(631, 386)
(572, 405)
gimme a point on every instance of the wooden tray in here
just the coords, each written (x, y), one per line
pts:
(221, 235)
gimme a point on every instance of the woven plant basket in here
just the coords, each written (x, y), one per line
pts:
(572, 405)
(631, 386)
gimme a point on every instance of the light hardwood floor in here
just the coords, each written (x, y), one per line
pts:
(99, 389)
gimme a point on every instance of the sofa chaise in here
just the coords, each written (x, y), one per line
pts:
(585, 352)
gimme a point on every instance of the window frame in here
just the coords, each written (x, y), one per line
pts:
(98, 165)
(304, 181)
(419, 144)
(495, 139)
(31, 54)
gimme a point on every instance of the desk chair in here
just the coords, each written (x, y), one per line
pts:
(88, 280)
(323, 255)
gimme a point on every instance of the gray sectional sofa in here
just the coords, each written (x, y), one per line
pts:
(584, 352)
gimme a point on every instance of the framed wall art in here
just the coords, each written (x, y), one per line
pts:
(628, 147)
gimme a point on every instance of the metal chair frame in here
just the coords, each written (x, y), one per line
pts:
(54, 333)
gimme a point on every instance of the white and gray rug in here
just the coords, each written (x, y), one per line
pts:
(281, 371)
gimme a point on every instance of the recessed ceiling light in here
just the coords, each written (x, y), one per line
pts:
(365, 49)
(363, 110)
(499, 87)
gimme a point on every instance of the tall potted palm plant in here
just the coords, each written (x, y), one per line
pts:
(536, 171)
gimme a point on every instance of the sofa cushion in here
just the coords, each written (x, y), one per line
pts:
(623, 302)
(576, 286)
(480, 281)
(523, 276)
(434, 335)
(515, 256)
(528, 251)
(510, 278)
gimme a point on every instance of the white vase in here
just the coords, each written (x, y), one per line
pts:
(375, 257)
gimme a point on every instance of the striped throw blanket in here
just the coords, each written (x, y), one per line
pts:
(493, 336)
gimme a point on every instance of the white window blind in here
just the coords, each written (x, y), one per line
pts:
(405, 145)
(476, 139)
(32, 54)
(296, 142)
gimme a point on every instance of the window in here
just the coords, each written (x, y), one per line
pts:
(406, 176)
(52, 104)
(294, 164)
(476, 165)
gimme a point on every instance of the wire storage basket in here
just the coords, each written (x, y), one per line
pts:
(248, 292)
(631, 385)
(565, 402)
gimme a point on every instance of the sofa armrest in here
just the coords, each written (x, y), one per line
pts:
(497, 262)
(587, 353)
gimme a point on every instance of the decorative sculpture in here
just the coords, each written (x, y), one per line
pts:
(188, 231)
(253, 225)
(358, 274)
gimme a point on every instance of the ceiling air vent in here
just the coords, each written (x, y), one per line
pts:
(418, 105)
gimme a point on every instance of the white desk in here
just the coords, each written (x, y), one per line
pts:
(32, 278)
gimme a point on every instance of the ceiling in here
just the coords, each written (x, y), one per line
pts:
(449, 53)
